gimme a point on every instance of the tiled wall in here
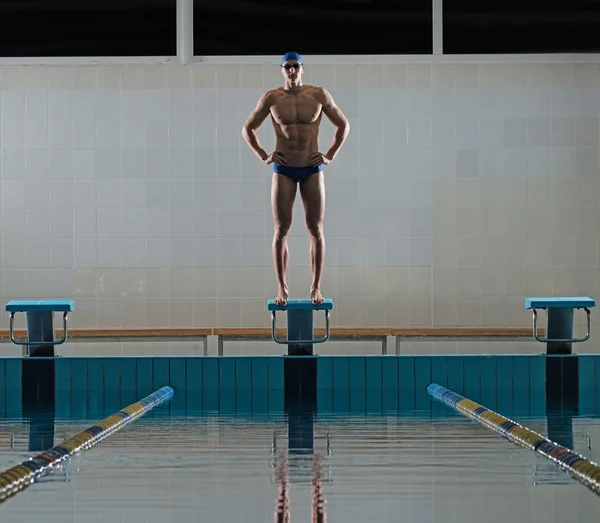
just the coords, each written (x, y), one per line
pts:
(462, 188)
(91, 388)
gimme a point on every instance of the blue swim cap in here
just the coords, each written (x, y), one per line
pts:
(291, 55)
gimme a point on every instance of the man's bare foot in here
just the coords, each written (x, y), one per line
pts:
(282, 297)
(315, 296)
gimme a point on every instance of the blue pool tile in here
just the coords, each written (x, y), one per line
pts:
(112, 385)
(472, 380)
(439, 370)
(193, 386)
(489, 385)
(374, 384)
(324, 384)
(521, 374)
(439, 375)
(357, 384)
(62, 374)
(3, 387)
(276, 384)
(62, 387)
(456, 376)
(587, 378)
(210, 384)
(227, 384)
(391, 389)
(128, 381)
(597, 387)
(243, 384)
(161, 372)
(324, 373)
(160, 378)
(79, 380)
(504, 379)
(145, 377)
(537, 385)
(341, 384)
(422, 380)
(406, 381)
(177, 380)
(260, 385)
(95, 391)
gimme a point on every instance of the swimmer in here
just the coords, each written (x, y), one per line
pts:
(296, 110)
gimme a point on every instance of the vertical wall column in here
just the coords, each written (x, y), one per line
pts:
(185, 31)
(438, 26)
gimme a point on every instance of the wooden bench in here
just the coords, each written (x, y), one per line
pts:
(99, 335)
(460, 333)
(336, 334)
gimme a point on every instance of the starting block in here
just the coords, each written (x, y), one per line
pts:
(40, 329)
(300, 331)
(560, 312)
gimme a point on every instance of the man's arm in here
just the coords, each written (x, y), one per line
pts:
(254, 121)
(337, 118)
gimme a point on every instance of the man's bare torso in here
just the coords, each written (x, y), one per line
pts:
(296, 117)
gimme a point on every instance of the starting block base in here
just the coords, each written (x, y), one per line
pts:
(300, 330)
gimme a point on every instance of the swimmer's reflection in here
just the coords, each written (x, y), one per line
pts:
(282, 506)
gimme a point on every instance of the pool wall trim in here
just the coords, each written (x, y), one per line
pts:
(347, 384)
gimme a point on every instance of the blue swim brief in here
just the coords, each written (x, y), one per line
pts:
(297, 174)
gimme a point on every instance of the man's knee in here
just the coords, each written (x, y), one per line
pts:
(315, 230)
(281, 231)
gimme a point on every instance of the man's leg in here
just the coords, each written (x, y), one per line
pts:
(312, 191)
(283, 193)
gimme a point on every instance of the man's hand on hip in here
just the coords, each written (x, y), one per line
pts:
(318, 159)
(276, 157)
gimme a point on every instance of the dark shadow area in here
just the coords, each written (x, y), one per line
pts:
(311, 27)
(61, 28)
(38, 401)
(520, 27)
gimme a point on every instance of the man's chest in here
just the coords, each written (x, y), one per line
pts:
(296, 109)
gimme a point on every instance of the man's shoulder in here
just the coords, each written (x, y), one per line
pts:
(318, 92)
(272, 94)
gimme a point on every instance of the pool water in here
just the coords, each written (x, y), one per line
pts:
(418, 467)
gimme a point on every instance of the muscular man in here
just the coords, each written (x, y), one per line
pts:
(296, 111)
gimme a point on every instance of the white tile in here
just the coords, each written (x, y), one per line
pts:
(84, 194)
(133, 223)
(181, 223)
(107, 164)
(133, 253)
(181, 253)
(84, 253)
(157, 163)
(157, 253)
(108, 252)
(61, 224)
(181, 193)
(60, 164)
(133, 164)
(108, 223)
(133, 194)
(84, 120)
(37, 194)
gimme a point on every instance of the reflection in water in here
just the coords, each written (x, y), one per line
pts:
(282, 505)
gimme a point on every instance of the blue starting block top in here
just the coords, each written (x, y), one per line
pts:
(576, 302)
(300, 304)
(40, 306)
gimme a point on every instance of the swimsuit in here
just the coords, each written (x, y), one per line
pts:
(297, 174)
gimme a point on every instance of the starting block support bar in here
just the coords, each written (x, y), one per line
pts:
(40, 324)
(300, 330)
(560, 315)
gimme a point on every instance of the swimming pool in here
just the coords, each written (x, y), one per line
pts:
(368, 438)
